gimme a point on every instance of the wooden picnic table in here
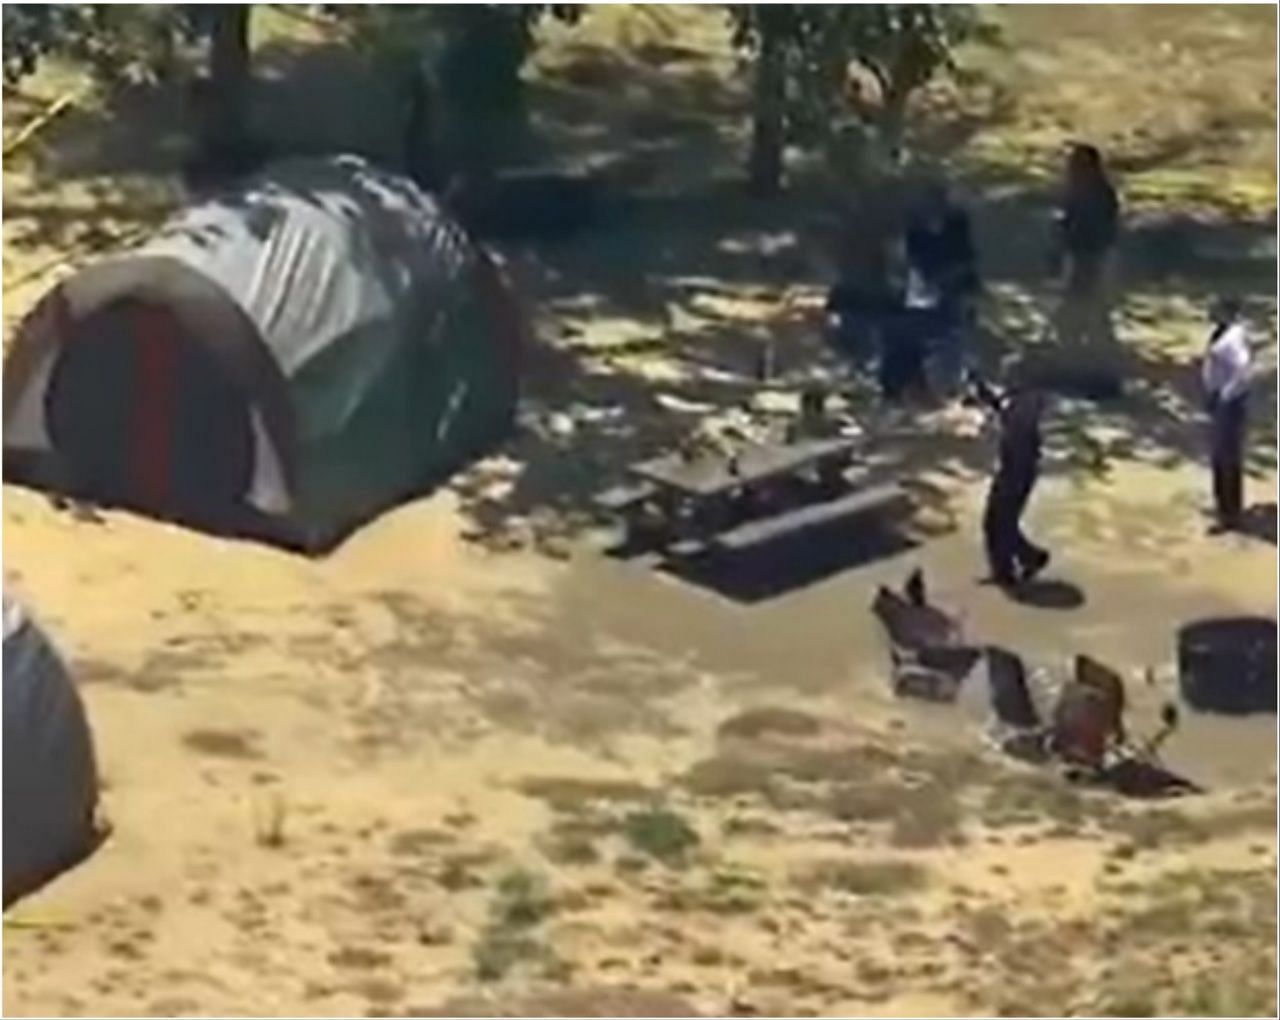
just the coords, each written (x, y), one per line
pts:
(706, 477)
(699, 498)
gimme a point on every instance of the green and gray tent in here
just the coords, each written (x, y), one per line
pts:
(293, 356)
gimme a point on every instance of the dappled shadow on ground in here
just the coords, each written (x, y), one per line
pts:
(787, 566)
(1260, 522)
(652, 324)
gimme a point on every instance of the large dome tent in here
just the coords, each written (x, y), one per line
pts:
(50, 774)
(289, 357)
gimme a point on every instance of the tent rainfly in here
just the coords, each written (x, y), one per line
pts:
(289, 359)
(50, 778)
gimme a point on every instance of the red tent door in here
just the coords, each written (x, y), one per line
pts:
(190, 432)
(157, 337)
(146, 415)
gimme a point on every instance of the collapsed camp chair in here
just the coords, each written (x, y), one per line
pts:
(1018, 728)
(1086, 732)
(928, 657)
(1088, 719)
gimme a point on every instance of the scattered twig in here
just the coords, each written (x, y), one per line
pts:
(55, 109)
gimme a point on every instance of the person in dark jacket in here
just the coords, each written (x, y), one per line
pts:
(943, 266)
(1088, 229)
(1012, 557)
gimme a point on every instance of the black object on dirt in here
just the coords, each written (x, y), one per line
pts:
(1228, 665)
(1260, 522)
(528, 203)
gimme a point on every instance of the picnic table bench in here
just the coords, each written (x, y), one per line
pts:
(700, 499)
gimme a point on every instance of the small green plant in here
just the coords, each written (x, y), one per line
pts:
(660, 833)
(733, 890)
(866, 878)
(457, 875)
(499, 951)
(269, 822)
(572, 840)
(521, 902)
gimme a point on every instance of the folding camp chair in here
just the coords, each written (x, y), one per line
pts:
(927, 655)
(1018, 729)
(1088, 724)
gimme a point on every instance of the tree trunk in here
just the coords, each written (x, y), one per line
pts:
(892, 128)
(764, 164)
(224, 125)
(422, 151)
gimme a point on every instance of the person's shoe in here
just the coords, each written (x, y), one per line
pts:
(1037, 563)
(1001, 579)
(1223, 526)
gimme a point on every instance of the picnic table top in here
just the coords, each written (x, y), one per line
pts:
(708, 475)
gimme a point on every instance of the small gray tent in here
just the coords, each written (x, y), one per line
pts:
(291, 358)
(50, 777)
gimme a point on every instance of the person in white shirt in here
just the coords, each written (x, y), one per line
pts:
(1225, 376)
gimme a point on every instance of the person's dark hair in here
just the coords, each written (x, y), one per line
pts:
(1084, 164)
(1226, 308)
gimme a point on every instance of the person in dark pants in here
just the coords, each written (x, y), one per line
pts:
(1088, 232)
(942, 258)
(1012, 557)
(1225, 374)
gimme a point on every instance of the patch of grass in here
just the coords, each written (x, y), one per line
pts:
(1217, 994)
(1157, 827)
(865, 802)
(457, 873)
(865, 878)
(631, 864)
(416, 842)
(269, 822)
(988, 927)
(730, 775)
(740, 825)
(224, 743)
(759, 722)
(521, 902)
(499, 951)
(728, 889)
(661, 834)
(774, 772)
(571, 792)
(569, 845)
(929, 815)
(733, 890)
(1028, 799)
(358, 958)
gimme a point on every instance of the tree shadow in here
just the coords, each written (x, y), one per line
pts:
(789, 565)
(651, 323)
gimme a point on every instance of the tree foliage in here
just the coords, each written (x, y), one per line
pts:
(464, 61)
(838, 70)
(117, 42)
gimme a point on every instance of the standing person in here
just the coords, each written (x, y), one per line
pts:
(1012, 557)
(943, 276)
(1088, 228)
(863, 296)
(1225, 374)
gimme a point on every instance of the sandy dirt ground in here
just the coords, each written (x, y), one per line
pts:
(322, 775)
(471, 763)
